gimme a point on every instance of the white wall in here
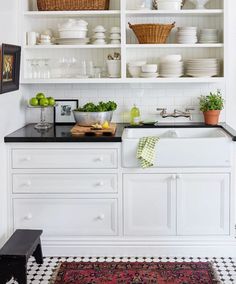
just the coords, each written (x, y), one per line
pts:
(12, 115)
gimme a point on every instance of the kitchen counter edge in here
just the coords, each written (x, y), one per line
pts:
(61, 133)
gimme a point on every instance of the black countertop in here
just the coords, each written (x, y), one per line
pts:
(61, 133)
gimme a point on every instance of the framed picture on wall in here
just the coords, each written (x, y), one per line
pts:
(9, 67)
(63, 112)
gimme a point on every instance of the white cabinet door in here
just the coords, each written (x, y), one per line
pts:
(67, 217)
(149, 205)
(203, 204)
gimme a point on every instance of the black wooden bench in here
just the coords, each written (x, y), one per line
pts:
(15, 253)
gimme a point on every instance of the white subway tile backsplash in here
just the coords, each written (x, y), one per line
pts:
(146, 96)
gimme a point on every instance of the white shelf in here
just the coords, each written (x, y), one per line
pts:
(173, 45)
(195, 12)
(66, 14)
(86, 46)
(124, 81)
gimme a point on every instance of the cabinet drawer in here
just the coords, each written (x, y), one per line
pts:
(64, 183)
(64, 158)
(67, 217)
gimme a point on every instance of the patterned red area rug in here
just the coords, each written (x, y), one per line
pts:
(135, 273)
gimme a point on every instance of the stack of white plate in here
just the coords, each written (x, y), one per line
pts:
(204, 67)
(171, 66)
(99, 35)
(187, 35)
(149, 71)
(209, 36)
(73, 32)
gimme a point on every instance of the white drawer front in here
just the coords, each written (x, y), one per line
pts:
(64, 158)
(67, 217)
(64, 183)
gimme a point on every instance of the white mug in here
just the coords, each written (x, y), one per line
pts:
(31, 38)
(114, 68)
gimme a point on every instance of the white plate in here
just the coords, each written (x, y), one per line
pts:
(72, 41)
(148, 75)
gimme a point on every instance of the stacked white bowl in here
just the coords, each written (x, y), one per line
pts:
(73, 29)
(186, 35)
(135, 68)
(99, 35)
(169, 4)
(203, 67)
(115, 35)
(149, 71)
(209, 36)
(171, 66)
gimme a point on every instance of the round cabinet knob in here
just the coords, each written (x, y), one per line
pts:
(173, 177)
(101, 217)
(28, 217)
(101, 183)
(178, 176)
(100, 159)
(27, 183)
(27, 159)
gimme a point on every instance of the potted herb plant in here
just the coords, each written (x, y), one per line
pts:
(211, 106)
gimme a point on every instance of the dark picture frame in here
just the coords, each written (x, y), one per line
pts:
(63, 112)
(10, 56)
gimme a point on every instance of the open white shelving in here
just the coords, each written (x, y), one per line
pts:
(121, 12)
(189, 12)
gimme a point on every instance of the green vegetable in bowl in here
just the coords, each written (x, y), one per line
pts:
(101, 107)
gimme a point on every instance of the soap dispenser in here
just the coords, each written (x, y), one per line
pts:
(135, 116)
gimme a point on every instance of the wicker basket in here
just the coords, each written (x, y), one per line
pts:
(152, 33)
(72, 5)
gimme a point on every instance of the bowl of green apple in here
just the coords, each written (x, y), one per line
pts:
(41, 101)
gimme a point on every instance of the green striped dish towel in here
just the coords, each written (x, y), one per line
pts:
(146, 151)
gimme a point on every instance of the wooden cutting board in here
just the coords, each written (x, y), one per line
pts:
(87, 131)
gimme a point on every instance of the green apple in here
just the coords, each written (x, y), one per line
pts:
(51, 101)
(40, 96)
(44, 102)
(34, 102)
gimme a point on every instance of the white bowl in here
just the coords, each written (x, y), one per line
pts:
(99, 41)
(115, 41)
(137, 63)
(99, 29)
(171, 58)
(149, 68)
(115, 30)
(135, 71)
(73, 34)
(115, 36)
(169, 5)
(99, 35)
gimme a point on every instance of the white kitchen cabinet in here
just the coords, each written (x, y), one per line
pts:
(199, 202)
(149, 204)
(59, 217)
(203, 204)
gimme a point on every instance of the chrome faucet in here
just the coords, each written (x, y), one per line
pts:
(177, 113)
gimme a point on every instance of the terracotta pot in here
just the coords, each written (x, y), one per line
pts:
(212, 117)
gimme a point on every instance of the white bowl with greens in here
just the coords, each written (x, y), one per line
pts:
(91, 114)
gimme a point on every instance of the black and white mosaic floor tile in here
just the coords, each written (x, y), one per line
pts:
(41, 274)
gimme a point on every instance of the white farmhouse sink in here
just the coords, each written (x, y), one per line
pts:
(180, 147)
